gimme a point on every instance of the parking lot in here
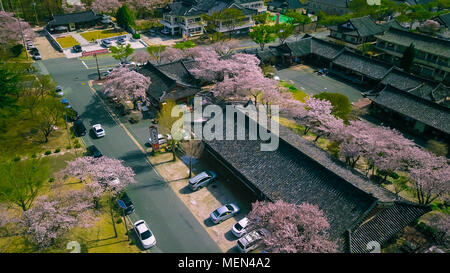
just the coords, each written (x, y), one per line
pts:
(136, 44)
(304, 78)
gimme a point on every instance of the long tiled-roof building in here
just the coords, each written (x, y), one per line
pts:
(358, 210)
(357, 30)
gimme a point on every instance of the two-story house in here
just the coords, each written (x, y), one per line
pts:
(432, 55)
(184, 17)
(282, 6)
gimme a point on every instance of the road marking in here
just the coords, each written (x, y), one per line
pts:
(117, 120)
(84, 64)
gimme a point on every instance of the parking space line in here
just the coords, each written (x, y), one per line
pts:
(84, 64)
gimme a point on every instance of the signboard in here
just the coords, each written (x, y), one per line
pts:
(154, 138)
(121, 204)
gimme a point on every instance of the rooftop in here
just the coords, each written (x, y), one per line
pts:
(421, 42)
(366, 66)
(362, 26)
(77, 17)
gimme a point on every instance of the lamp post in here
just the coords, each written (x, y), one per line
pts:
(35, 13)
(98, 70)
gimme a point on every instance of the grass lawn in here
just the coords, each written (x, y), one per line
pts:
(67, 41)
(101, 34)
(296, 93)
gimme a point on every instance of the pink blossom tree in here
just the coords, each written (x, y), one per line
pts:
(73, 8)
(293, 228)
(141, 57)
(225, 47)
(106, 6)
(171, 54)
(51, 217)
(126, 84)
(441, 223)
(108, 174)
(12, 28)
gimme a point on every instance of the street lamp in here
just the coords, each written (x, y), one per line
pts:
(35, 13)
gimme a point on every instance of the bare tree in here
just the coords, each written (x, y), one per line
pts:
(193, 149)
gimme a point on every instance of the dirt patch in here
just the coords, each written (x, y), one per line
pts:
(46, 49)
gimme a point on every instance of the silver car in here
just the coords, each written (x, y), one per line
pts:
(223, 213)
(251, 240)
(144, 234)
(202, 179)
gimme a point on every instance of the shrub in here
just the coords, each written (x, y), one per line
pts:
(51, 180)
(334, 148)
(436, 147)
(119, 221)
(135, 117)
(48, 152)
(16, 50)
(17, 158)
(57, 150)
(341, 104)
(136, 36)
(78, 145)
(33, 156)
(69, 147)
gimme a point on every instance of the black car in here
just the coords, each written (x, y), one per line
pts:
(80, 129)
(94, 151)
(130, 207)
(77, 48)
(33, 51)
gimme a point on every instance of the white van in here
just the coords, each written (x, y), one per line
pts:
(251, 240)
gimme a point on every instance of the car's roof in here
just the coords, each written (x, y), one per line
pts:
(97, 126)
(141, 226)
(222, 209)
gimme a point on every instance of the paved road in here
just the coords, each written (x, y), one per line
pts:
(175, 228)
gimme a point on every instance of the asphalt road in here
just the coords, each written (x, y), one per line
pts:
(175, 228)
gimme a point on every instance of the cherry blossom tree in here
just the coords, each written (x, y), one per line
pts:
(126, 84)
(108, 174)
(106, 6)
(225, 47)
(441, 223)
(141, 57)
(12, 28)
(293, 228)
(431, 26)
(73, 8)
(52, 216)
(171, 54)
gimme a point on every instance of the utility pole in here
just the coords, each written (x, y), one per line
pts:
(98, 70)
(35, 13)
(1, 5)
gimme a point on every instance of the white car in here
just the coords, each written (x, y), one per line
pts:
(98, 130)
(240, 227)
(144, 234)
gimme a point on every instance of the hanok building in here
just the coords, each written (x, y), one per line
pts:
(443, 20)
(358, 210)
(356, 30)
(170, 81)
(183, 17)
(335, 7)
(74, 21)
(432, 57)
(415, 105)
(308, 49)
(282, 6)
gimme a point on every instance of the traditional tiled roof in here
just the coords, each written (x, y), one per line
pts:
(298, 172)
(334, 3)
(363, 27)
(372, 68)
(286, 4)
(77, 17)
(423, 88)
(421, 42)
(311, 45)
(391, 24)
(178, 71)
(410, 105)
(384, 225)
(160, 85)
(443, 19)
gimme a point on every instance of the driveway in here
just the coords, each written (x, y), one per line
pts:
(174, 226)
(304, 78)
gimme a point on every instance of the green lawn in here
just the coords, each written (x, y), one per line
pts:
(283, 18)
(67, 41)
(101, 34)
(296, 93)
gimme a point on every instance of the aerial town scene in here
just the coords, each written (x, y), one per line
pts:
(225, 126)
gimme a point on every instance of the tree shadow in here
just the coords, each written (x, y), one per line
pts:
(233, 250)
(95, 112)
(185, 190)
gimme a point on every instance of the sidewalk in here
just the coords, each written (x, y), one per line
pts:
(80, 39)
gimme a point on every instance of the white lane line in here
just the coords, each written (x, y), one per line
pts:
(85, 64)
